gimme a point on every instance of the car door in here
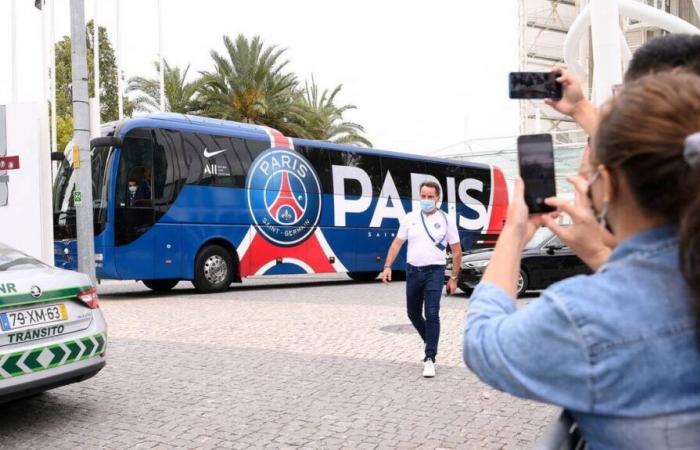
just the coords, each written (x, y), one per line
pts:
(564, 263)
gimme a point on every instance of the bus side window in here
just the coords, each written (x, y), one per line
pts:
(321, 163)
(220, 164)
(240, 158)
(167, 176)
(401, 170)
(193, 148)
(370, 164)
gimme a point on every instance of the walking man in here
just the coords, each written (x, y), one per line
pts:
(428, 232)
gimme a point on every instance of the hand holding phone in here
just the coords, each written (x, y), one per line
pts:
(536, 162)
(535, 85)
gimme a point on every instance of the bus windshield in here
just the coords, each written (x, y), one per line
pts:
(64, 186)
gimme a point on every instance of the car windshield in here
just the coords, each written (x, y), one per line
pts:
(11, 259)
(540, 236)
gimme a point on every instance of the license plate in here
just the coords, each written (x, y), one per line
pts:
(34, 316)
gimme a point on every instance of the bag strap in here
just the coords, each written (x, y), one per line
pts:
(425, 227)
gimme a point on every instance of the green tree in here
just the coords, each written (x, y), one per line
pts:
(324, 119)
(108, 82)
(249, 84)
(180, 96)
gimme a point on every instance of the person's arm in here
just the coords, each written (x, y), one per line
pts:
(504, 266)
(536, 352)
(456, 266)
(574, 103)
(390, 257)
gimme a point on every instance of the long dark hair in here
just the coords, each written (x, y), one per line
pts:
(642, 132)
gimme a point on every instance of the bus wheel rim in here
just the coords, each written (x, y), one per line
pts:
(215, 269)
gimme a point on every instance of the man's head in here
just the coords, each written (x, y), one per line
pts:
(665, 53)
(430, 190)
(429, 195)
(132, 185)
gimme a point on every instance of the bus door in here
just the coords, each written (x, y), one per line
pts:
(134, 212)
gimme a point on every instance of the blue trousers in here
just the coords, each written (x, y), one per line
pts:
(423, 291)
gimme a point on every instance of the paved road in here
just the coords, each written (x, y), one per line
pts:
(273, 363)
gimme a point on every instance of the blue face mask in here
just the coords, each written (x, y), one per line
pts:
(427, 205)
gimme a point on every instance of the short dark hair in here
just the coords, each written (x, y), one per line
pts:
(665, 53)
(431, 184)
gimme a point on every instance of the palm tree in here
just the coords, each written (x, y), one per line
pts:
(324, 120)
(180, 96)
(249, 84)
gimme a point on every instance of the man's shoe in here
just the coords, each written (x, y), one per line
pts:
(428, 368)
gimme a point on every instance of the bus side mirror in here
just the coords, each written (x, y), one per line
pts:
(106, 141)
(57, 156)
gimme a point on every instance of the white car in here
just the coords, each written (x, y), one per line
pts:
(52, 331)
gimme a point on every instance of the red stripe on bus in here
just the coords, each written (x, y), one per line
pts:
(499, 206)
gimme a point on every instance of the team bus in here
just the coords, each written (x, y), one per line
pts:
(179, 197)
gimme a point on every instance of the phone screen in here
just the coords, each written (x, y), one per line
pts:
(529, 85)
(536, 161)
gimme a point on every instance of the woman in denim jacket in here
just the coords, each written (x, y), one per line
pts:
(620, 348)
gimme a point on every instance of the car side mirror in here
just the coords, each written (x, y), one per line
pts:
(552, 248)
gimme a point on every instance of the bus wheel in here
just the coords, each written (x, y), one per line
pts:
(213, 270)
(363, 276)
(160, 285)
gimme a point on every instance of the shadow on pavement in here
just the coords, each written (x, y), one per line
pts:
(187, 289)
(22, 413)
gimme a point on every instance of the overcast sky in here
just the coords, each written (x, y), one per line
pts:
(424, 75)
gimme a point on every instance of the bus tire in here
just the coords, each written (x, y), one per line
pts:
(213, 269)
(160, 285)
(363, 276)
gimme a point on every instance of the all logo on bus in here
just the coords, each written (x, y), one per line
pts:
(284, 196)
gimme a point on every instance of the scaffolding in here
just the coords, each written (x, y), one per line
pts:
(543, 28)
(544, 25)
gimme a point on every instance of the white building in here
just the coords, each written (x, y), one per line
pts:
(544, 25)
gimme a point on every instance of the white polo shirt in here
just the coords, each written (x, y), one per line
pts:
(422, 250)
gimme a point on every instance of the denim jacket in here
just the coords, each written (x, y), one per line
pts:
(617, 348)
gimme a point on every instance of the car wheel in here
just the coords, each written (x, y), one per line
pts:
(464, 287)
(160, 285)
(213, 269)
(363, 276)
(522, 283)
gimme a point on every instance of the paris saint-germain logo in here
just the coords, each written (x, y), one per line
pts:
(284, 196)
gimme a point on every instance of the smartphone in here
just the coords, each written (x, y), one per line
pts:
(530, 85)
(536, 162)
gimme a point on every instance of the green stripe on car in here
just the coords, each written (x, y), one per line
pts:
(41, 358)
(46, 296)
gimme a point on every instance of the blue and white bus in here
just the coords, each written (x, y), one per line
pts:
(187, 198)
